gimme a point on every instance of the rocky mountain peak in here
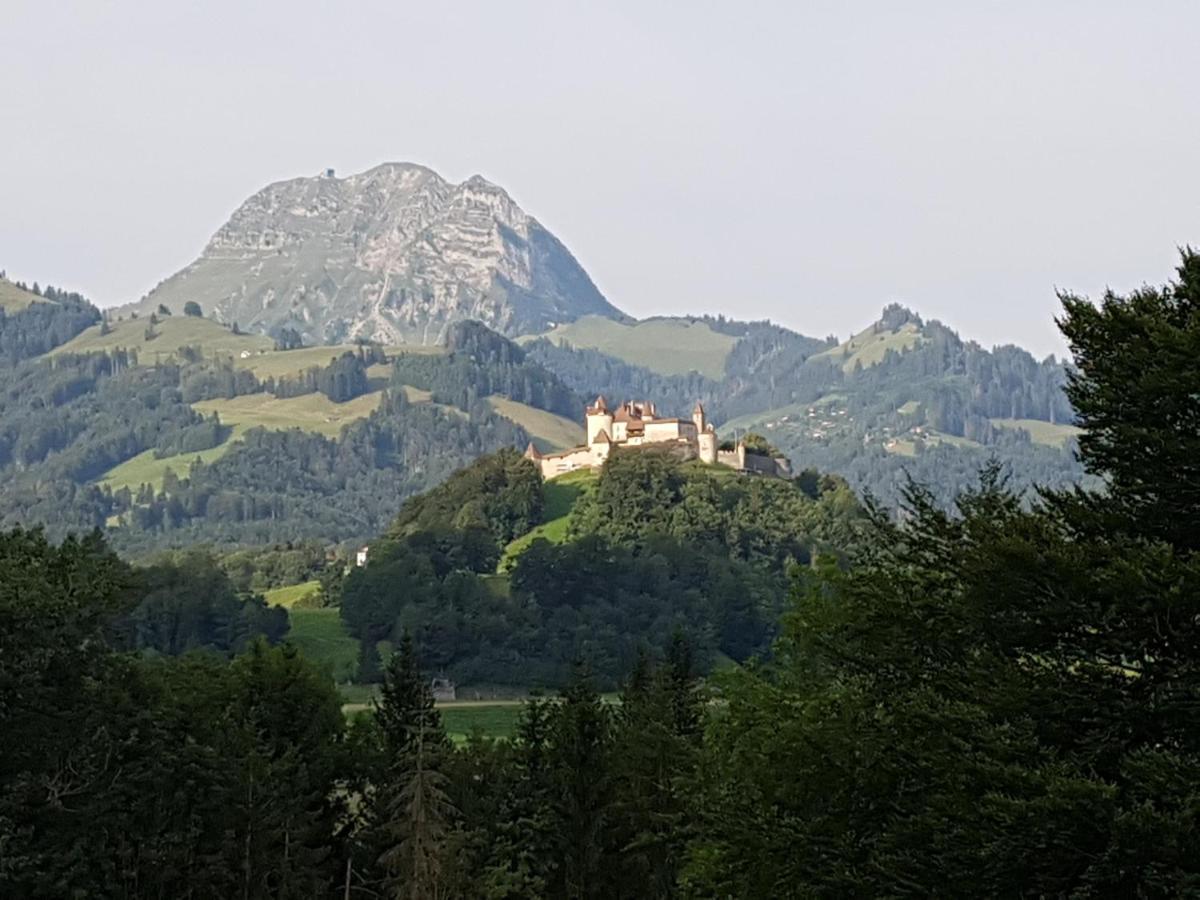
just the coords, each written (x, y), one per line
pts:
(395, 253)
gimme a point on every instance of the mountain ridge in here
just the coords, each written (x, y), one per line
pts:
(394, 254)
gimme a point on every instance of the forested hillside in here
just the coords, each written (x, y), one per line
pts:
(1002, 700)
(904, 397)
(35, 320)
(199, 445)
(650, 547)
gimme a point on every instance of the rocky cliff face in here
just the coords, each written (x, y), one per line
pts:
(394, 254)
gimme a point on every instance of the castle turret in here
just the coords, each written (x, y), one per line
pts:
(598, 419)
(706, 445)
(698, 418)
(601, 447)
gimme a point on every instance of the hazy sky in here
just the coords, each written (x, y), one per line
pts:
(807, 162)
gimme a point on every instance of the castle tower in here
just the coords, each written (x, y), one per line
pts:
(598, 419)
(698, 418)
(706, 445)
(601, 447)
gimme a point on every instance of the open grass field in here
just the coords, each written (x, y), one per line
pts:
(281, 363)
(549, 431)
(869, 347)
(321, 637)
(561, 495)
(666, 346)
(172, 332)
(146, 469)
(311, 412)
(288, 596)
(493, 719)
(906, 446)
(1049, 433)
(13, 299)
(416, 394)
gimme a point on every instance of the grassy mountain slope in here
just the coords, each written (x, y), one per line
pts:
(559, 498)
(1049, 433)
(549, 431)
(13, 298)
(666, 346)
(309, 412)
(870, 346)
(171, 333)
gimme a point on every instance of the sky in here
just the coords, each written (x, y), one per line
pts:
(806, 162)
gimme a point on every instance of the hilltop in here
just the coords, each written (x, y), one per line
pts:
(14, 298)
(504, 578)
(394, 254)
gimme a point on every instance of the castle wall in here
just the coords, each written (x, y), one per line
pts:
(729, 458)
(669, 430)
(560, 463)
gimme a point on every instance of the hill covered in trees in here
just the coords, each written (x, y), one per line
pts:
(171, 429)
(651, 547)
(999, 700)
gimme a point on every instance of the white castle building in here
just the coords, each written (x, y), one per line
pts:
(637, 423)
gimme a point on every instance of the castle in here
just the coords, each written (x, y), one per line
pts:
(637, 423)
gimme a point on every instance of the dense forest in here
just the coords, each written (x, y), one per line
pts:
(40, 327)
(480, 363)
(1002, 699)
(655, 548)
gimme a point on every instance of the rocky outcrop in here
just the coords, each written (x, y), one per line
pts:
(393, 254)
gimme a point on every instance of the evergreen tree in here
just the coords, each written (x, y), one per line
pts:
(580, 779)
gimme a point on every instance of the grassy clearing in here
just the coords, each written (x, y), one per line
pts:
(907, 445)
(320, 636)
(666, 346)
(416, 394)
(561, 494)
(1049, 433)
(288, 596)
(13, 299)
(145, 469)
(493, 720)
(311, 412)
(911, 408)
(869, 347)
(281, 363)
(549, 432)
(172, 332)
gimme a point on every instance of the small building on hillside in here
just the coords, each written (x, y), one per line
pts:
(637, 424)
(360, 557)
(443, 689)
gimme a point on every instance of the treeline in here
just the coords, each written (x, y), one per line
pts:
(40, 327)
(655, 548)
(75, 417)
(481, 363)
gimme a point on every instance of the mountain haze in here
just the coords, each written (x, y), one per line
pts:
(393, 254)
